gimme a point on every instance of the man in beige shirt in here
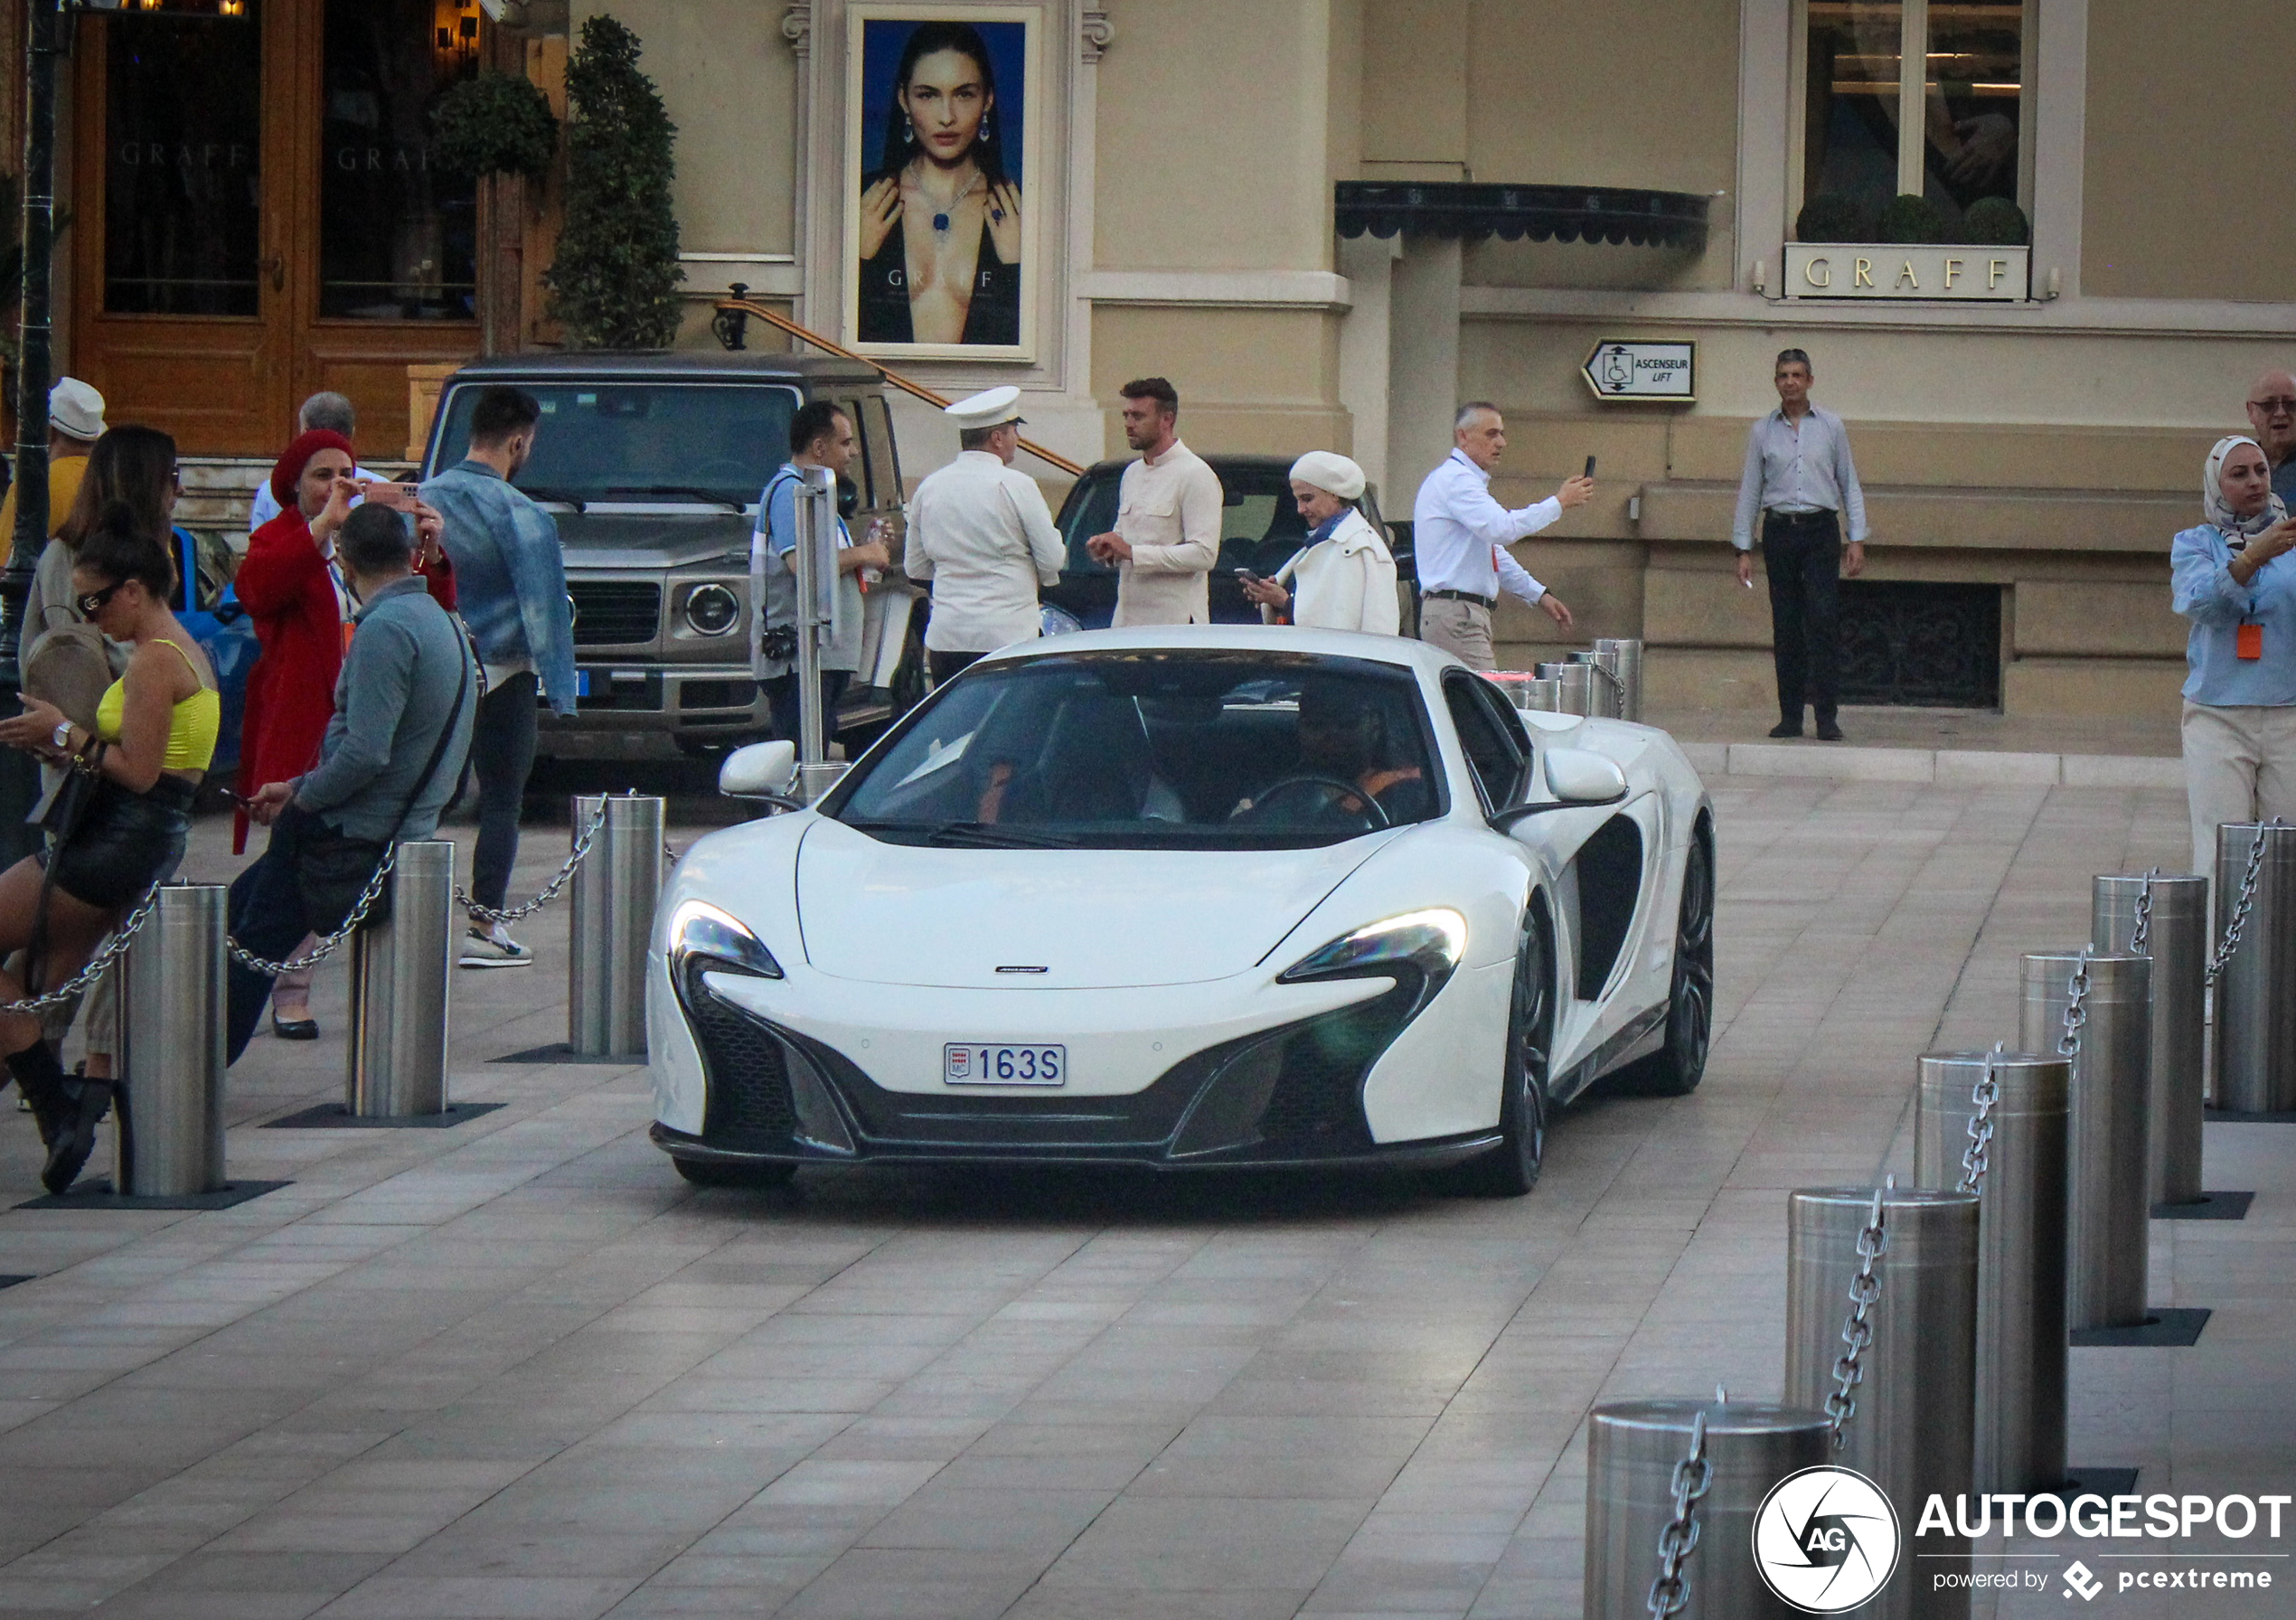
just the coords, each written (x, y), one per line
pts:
(1166, 541)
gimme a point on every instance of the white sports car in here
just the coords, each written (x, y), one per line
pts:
(1209, 896)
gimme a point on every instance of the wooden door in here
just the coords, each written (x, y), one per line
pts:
(261, 221)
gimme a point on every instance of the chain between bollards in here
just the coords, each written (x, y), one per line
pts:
(1693, 1477)
(330, 944)
(114, 948)
(2140, 937)
(1857, 1333)
(2239, 920)
(2076, 1011)
(550, 890)
(1985, 1094)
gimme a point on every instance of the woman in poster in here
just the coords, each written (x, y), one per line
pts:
(940, 225)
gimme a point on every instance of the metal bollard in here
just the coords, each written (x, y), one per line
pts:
(2020, 1251)
(399, 968)
(2177, 939)
(1912, 1431)
(171, 1047)
(1623, 658)
(610, 925)
(2106, 1209)
(1575, 683)
(1631, 1448)
(1606, 696)
(2255, 1013)
(1546, 696)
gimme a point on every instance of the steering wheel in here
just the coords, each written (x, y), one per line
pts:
(1374, 815)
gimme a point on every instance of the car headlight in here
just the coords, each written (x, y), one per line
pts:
(704, 939)
(712, 609)
(1432, 941)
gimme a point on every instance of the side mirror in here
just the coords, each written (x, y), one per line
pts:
(1583, 776)
(1580, 778)
(762, 771)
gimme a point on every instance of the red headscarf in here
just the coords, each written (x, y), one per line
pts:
(287, 471)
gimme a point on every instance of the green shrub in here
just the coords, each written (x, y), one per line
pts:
(1907, 218)
(494, 124)
(1996, 222)
(615, 284)
(1831, 217)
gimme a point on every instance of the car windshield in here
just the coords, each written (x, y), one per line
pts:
(643, 441)
(1169, 749)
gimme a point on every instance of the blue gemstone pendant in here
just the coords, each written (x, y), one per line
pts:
(940, 221)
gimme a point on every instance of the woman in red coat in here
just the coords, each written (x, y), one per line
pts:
(302, 609)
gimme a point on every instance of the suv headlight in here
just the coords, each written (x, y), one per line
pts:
(712, 609)
(704, 939)
(1419, 950)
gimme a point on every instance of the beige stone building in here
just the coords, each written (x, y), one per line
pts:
(1327, 221)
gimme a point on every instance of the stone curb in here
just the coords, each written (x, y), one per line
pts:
(1948, 767)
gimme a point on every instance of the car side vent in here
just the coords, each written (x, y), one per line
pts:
(749, 1079)
(1610, 877)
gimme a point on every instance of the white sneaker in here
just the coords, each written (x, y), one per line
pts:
(494, 948)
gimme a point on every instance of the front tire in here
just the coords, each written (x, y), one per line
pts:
(712, 1172)
(1511, 1169)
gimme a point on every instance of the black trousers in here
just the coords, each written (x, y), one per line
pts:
(781, 692)
(502, 757)
(266, 916)
(947, 666)
(1802, 555)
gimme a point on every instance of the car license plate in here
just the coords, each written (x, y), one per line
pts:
(979, 1065)
(582, 683)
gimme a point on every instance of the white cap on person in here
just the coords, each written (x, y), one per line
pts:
(75, 409)
(990, 407)
(1331, 472)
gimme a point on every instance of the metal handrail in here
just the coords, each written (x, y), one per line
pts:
(773, 317)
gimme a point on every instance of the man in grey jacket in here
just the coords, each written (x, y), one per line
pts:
(403, 708)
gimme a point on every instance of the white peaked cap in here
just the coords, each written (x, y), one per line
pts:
(992, 407)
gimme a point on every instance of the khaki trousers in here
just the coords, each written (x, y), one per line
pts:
(1462, 629)
(2240, 765)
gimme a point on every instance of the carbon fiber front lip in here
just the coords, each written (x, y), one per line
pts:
(1431, 1153)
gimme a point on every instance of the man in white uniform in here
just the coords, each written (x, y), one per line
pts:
(979, 531)
(1460, 536)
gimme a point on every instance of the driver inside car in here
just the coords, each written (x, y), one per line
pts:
(1343, 743)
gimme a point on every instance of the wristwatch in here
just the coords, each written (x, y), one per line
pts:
(63, 737)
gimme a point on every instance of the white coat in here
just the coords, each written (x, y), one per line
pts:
(1345, 582)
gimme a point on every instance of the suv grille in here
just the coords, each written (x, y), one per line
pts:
(615, 612)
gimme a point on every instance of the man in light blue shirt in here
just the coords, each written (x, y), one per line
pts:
(1459, 539)
(819, 436)
(1800, 479)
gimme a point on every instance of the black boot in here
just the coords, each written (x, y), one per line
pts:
(40, 1077)
(86, 1102)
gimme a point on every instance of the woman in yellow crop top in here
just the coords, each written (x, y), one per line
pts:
(154, 736)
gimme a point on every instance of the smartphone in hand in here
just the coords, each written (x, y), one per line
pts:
(398, 497)
(1590, 468)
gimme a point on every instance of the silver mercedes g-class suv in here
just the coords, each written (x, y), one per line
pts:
(652, 465)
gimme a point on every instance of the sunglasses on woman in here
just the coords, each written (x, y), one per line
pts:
(92, 604)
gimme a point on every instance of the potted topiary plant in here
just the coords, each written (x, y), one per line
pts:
(1910, 219)
(494, 124)
(1996, 222)
(615, 283)
(1831, 217)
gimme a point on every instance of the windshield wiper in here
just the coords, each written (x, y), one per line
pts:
(691, 492)
(978, 834)
(563, 497)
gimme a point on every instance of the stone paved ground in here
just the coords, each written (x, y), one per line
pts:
(518, 1368)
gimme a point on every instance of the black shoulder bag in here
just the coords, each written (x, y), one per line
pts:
(333, 869)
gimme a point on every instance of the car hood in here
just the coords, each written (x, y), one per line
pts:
(898, 914)
(653, 540)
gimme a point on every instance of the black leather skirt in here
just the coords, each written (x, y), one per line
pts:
(124, 844)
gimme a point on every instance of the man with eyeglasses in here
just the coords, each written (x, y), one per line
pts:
(2271, 417)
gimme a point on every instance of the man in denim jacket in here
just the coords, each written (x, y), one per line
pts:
(510, 575)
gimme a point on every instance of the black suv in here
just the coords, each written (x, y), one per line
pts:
(1259, 529)
(652, 465)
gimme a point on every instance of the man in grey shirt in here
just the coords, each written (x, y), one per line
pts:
(403, 708)
(1799, 478)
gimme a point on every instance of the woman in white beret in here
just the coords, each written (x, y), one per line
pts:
(1343, 578)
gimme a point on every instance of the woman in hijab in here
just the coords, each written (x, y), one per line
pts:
(1343, 578)
(302, 605)
(2234, 581)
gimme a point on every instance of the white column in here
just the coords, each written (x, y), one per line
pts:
(1365, 352)
(1423, 366)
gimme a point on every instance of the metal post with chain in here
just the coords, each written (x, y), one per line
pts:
(1693, 1477)
(331, 942)
(551, 890)
(114, 948)
(1984, 1095)
(2140, 937)
(1857, 1333)
(2076, 1011)
(2239, 920)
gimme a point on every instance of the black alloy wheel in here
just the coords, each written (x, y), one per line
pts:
(715, 1173)
(1677, 1066)
(1511, 1169)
